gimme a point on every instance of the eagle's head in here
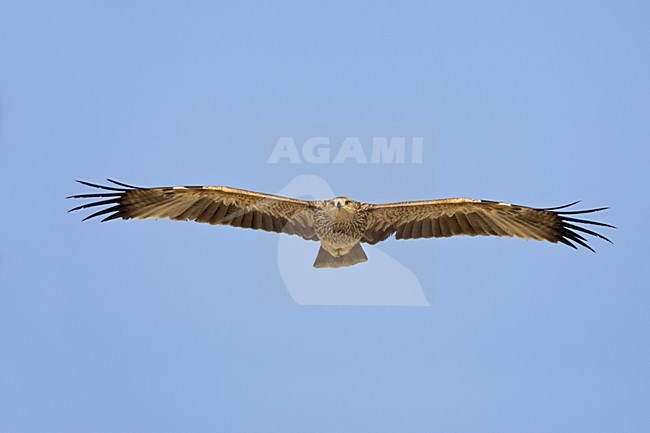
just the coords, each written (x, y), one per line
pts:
(342, 203)
(342, 207)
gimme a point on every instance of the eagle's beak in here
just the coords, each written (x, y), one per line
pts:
(339, 204)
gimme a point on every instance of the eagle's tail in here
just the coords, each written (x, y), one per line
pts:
(326, 260)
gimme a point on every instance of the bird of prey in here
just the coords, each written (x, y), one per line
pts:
(342, 224)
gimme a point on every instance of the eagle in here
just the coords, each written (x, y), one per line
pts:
(341, 224)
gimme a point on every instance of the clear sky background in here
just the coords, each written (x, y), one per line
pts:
(156, 326)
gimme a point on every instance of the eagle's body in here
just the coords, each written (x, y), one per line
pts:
(342, 224)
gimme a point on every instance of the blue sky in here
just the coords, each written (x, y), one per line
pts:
(158, 326)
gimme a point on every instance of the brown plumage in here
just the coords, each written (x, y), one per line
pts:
(341, 224)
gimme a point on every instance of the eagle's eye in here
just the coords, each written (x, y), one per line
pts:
(347, 202)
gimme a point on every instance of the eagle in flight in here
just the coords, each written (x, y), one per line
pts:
(341, 224)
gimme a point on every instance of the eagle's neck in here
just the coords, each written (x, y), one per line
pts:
(344, 216)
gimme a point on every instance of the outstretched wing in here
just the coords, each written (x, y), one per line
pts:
(464, 216)
(204, 204)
